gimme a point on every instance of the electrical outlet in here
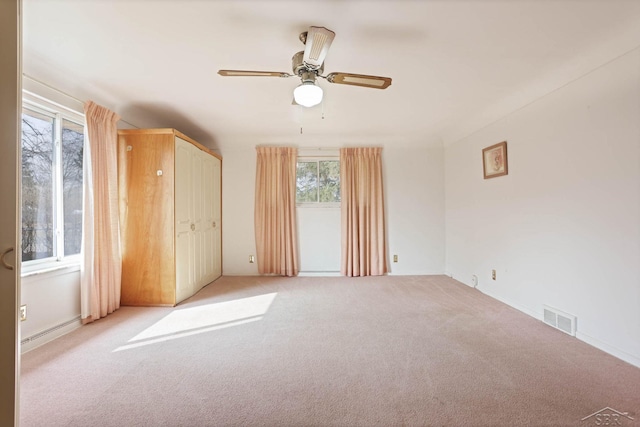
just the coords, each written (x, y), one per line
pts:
(23, 313)
(493, 274)
(252, 259)
(395, 258)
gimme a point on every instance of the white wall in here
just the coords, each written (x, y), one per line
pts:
(238, 239)
(52, 299)
(414, 191)
(563, 228)
(414, 197)
(319, 242)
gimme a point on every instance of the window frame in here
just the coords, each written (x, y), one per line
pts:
(318, 203)
(59, 113)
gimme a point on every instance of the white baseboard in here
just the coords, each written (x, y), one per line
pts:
(607, 348)
(319, 274)
(36, 340)
(518, 307)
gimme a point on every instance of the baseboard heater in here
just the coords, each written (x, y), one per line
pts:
(560, 320)
(46, 332)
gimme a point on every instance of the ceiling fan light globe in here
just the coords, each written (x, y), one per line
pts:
(307, 94)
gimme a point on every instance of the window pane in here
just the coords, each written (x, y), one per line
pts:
(329, 181)
(37, 186)
(307, 182)
(72, 149)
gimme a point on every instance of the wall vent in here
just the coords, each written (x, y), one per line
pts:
(560, 320)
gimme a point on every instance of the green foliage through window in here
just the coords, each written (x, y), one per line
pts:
(318, 181)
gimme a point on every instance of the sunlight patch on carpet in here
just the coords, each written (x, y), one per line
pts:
(196, 320)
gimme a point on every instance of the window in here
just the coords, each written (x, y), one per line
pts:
(318, 181)
(52, 150)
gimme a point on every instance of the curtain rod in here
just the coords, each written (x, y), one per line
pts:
(334, 148)
(64, 93)
(318, 152)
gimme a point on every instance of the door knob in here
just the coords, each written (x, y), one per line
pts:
(4, 263)
(193, 227)
(214, 224)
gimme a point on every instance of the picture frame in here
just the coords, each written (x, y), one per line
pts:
(494, 160)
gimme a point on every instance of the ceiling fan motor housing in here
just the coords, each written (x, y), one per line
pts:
(299, 67)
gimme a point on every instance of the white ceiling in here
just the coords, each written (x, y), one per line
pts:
(456, 65)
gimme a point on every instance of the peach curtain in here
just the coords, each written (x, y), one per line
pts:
(100, 274)
(363, 227)
(275, 211)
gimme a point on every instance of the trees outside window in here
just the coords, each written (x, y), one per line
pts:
(318, 181)
(72, 153)
(52, 150)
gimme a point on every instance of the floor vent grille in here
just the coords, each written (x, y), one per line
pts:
(560, 320)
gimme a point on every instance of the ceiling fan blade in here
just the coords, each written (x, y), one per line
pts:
(245, 73)
(375, 82)
(316, 46)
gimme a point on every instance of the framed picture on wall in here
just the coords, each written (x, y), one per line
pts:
(494, 160)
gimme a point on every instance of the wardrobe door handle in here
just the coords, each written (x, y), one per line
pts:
(4, 263)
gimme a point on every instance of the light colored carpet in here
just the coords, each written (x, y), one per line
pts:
(270, 351)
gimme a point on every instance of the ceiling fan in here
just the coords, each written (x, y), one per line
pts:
(309, 65)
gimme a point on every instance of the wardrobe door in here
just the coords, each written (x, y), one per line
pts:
(197, 218)
(208, 223)
(217, 218)
(185, 242)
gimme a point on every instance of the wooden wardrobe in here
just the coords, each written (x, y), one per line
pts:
(170, 216)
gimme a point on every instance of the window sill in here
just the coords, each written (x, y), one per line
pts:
(324, 205)
(59, 267)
